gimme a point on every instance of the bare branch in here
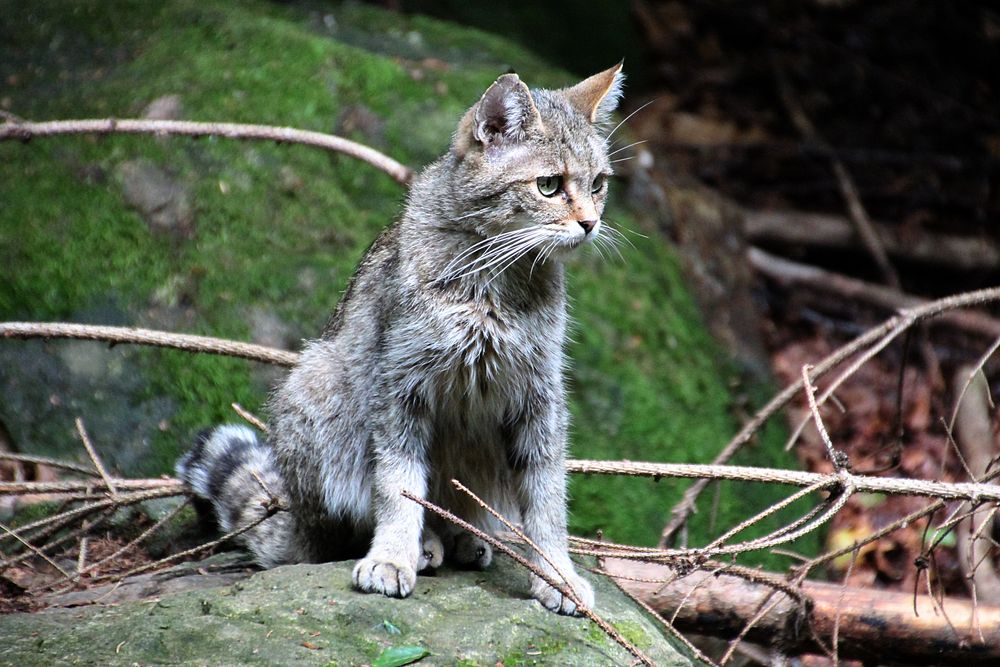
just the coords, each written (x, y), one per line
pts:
(25, 131)
(978, 492)
(799, 228)
(793, 273)
(73, 486)
(890, 327)
(46, 461)
(186, 342)
(538, 572)
(858, 214)
(98, 465)
(250, 417)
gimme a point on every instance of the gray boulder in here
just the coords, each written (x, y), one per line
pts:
(310, 615)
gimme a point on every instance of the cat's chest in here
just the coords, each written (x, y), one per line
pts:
(490, 349)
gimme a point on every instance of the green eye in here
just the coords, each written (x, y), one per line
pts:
(549, 185)
(598, 184)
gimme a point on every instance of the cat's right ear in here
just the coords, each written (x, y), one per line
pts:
(504, 115)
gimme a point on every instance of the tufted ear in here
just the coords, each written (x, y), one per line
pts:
(505, 112)
(596, 97)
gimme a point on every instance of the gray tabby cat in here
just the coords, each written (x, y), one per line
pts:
(443, 360)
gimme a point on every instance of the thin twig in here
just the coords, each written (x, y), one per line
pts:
(34, 549)
(835, 456)
(25, 131)
(520, 533)
(864, 483)
(537, 571)
(667, 625)
(46, 461)
(250, 417)
(98, 465)
(270, 510)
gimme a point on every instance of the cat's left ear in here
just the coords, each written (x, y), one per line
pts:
(596, 97)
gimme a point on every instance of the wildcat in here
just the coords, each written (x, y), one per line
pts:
(443, 360)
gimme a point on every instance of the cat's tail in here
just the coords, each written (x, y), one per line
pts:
(237, 474)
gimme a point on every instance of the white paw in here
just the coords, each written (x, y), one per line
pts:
(470, 551)
(431, 551)
(391, 578)
(555, 601)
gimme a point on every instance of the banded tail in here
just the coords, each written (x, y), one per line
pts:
(237, 474)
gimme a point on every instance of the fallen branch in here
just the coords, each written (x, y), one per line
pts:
(859, 216)
(829, 231)
(976, 443)
(24, 131)
(879, 626)
(788, 272)
(973, 491)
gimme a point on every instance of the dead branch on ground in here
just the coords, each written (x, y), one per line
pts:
(873, 626)
(789, 273)
(976, 546)
(819, 230)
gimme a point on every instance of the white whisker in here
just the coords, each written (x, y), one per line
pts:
(539, 256)
(622, 159)
(511, 262)
(634, 143)
(500, 255)
(622, 228)
(617, 237)
(472, 214)
(611, 244)
(485, 245)
(612, 132)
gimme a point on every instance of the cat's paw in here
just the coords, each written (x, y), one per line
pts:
(431, 551)
(553, 600)
(394, 579)
(471, 552)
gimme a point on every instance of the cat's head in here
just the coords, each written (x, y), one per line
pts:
(537, 159)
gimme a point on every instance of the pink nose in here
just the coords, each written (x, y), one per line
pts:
(588, 225)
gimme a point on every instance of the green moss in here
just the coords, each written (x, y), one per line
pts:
(535, 653)
(33, 512)
(634, 633)
(648, 383)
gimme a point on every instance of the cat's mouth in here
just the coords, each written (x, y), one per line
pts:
(575, 233)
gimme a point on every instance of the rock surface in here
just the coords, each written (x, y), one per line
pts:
(309, 615)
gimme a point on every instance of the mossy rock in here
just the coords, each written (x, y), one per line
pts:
(263, 238)
(309, 615)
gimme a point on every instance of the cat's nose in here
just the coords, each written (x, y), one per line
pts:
(588, 225)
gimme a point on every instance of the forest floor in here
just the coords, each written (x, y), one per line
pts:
(809, 116)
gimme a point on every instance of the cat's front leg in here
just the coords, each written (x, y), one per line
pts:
(539, 459)
(399, 463)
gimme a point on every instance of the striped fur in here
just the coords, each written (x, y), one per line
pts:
(443, 360)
